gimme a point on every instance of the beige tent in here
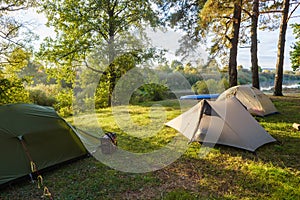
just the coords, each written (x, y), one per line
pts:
(255, 100)
(224, 122)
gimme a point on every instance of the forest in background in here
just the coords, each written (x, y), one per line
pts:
(99, 42)
(32, 84)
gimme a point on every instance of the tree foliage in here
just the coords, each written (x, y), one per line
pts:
(15, 38)
(14, 33)
(295, 53)
(98, 26)
(183, 16)
(222, 19)
(12, 91)
(12, 86)
(101, 31)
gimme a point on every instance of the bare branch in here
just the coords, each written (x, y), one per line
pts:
(11, 31)
(247, 12)
(296, 16)
(271, 11)
(91, 68)
(293, 11)
(14, 42)
(12, 7)
(228, 38)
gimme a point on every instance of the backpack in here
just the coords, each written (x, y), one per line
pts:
(108, 143)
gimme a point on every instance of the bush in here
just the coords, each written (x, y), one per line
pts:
(149, 92)
(43, 95)
(53, 95)
(200, 87)
(210, 86)
(39, 97)
(223, 84)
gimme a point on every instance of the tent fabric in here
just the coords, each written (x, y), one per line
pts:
(256, 102)
(224, 122)
(29, 131)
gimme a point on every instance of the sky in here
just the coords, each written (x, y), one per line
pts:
(267, 50)
(267, 47)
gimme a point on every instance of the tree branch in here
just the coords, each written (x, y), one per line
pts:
(91, 68)
(271, 11)
(293, 11)
(12, 7)
(228, 38)
(247, 12)
(121, 10)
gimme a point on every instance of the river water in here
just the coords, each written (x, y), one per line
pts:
(293, 86)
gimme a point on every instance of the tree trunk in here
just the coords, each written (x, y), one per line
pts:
(111, 55)
(234, 44)
(280, 52)
(254, 60)
(112, 77)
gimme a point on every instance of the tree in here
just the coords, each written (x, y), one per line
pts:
(280, 52)
(254, 59)
(295, 53)
(218, 22)
(223, 19)
(183, 16)
(13, 32)
(15, 36)
(267, 23)
(237, 11)
(281, 45)
(97, 28)
(175, 64)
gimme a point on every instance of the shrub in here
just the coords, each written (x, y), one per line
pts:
(200, 87)
(210, 86)
(43, 94)
(149, 92)
(223, 84)
(39, 97)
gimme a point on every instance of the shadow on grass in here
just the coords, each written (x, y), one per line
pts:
(288, 107)
(228, 176)
(225, 173)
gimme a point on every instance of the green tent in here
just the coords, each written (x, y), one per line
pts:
(34, 136)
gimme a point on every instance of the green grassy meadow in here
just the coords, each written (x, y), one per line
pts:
(273, 172)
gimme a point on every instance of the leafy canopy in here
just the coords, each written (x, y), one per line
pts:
(11, 85)
(94, 26)
(14, 33)
(295, 53)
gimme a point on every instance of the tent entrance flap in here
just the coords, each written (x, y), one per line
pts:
(196, 128)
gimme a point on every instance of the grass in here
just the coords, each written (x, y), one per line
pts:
(273, 172)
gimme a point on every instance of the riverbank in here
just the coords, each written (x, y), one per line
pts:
(294, 88)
